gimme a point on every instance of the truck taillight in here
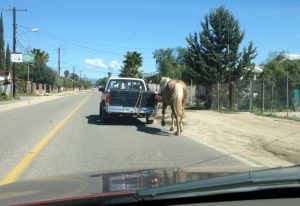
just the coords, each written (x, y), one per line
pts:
(156, 99)
(107, 98)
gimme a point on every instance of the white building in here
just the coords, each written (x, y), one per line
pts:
(5, 82)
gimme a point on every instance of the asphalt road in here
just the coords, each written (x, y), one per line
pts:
(78, 142)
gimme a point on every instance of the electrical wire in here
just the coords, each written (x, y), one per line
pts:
(76, 44)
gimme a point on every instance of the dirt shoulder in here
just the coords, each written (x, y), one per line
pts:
(255, 140)
(31, 100)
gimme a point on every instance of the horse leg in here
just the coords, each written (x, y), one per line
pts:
(172, 116)
(177, 124)
(180, 123)
(163, 123)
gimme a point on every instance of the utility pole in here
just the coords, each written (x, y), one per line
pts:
(59, 61)
(28, 51)
(14, 51)
(14, 10)
(73, 78)
(287, 95)
(230, 81)
(251, 95)
(262, 103)
(191, 89)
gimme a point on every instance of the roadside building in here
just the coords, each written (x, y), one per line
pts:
(5, 82)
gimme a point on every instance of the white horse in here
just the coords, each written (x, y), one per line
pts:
(174, 93)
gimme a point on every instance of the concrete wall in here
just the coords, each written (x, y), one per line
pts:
(6, 89)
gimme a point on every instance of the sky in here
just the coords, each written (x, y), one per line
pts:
(94, 35)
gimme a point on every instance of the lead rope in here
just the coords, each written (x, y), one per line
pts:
(138, 103)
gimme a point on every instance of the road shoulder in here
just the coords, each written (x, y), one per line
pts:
(32, 100)
(252, 139)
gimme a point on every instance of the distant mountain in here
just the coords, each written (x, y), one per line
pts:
(93, 80)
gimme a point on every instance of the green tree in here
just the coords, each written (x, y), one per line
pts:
(2, 55)
(277, 68)
(58, 81)
(172, 63)
(74, 76)
(68, 83)
(131, 65)
(278, 64)
(87, 84)
(272, 69)
(246, 63)
(7, 59)
(213, 54)
(102, 81)
(164, 59)
(66, 73)
(42, 73)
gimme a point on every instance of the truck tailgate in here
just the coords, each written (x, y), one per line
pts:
(129, 98)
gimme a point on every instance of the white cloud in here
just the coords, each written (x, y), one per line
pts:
(97, 63)
(115, 65)
(293, 56)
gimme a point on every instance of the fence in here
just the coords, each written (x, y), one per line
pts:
(259, 95)
(23, 87)
(249, 95)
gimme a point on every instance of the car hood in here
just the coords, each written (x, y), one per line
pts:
(104, 184)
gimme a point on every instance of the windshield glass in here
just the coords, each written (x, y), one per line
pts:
(206, 88)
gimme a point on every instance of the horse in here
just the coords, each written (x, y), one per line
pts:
(173, 93)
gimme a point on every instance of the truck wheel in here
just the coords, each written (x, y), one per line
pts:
(103, 115)
(148, 121)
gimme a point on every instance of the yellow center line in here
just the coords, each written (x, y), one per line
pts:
(22, 165)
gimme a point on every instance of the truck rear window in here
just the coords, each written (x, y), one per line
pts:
(120, 84)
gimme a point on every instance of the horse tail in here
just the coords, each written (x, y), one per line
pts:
(177, 98)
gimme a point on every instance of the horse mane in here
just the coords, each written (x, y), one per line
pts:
(163, 83)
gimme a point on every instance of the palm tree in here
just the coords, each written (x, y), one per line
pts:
(66, 73)
(132, 63)
(40, 56)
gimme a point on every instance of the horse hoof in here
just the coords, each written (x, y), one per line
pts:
(163, 123)
(172, 129)
(177, 133)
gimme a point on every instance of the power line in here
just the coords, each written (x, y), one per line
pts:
(57, 37)
(87, 47)
(82, 46)
(23, 48)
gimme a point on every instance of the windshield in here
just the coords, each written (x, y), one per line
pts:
(114, 86)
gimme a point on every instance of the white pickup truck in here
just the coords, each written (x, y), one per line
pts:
(127, 97)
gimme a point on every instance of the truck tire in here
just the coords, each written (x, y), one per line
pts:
(148, 121)
(103, 115)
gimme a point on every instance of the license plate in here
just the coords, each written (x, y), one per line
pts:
(136, 110)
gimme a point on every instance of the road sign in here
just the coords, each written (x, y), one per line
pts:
(16, 57)
(28, 57)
